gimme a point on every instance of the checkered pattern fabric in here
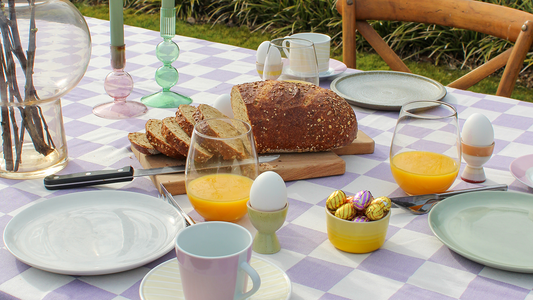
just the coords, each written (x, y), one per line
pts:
(412, 264)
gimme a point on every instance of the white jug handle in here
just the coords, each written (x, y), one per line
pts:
(285, 46)
(256, 280)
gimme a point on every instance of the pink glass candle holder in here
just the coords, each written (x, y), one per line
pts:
(118, 84)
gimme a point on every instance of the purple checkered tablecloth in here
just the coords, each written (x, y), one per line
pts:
(412, 264)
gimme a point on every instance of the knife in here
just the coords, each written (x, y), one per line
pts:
(81, 179)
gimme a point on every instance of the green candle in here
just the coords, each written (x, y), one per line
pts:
(167, 4)
(116, 20)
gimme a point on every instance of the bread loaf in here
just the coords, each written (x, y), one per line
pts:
(294, 117)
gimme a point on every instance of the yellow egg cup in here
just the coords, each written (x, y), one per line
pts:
(356, 237)
(267, 223)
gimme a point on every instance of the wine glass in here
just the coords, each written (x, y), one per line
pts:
(220, 168)
(291, 59)
(425, 154)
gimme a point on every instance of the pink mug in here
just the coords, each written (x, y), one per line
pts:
(214, 261)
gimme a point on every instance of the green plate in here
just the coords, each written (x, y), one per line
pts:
(386, 90)
(492, 228)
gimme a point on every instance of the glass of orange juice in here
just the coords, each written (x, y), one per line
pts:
(220, 169)
(425, 153)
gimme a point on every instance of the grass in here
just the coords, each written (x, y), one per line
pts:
(241, 36)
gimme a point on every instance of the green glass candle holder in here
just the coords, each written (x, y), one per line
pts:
(167, 76)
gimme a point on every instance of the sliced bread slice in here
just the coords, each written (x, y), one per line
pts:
(178, 138)
(155, 137)
(140, 142)
(205, 111)
(222, 131)
(185, 117)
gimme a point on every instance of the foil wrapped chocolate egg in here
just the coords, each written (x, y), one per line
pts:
(336, 200)
(383, 201)
(375, 211)
(362, 199)
(345, 212)
(360, 219)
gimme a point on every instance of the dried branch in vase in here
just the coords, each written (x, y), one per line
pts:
(29, 116)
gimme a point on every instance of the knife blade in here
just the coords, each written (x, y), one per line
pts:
(88, 178)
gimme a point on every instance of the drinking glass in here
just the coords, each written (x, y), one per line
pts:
(291, 59)
(220, 168)
(425, 153)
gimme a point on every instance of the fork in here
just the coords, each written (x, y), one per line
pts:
(168, 196)
(422, 204)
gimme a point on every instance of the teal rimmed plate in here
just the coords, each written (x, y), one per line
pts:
(492, 228)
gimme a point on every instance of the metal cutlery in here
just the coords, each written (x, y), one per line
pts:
(81, 179)
(422, 204)
(170, 199)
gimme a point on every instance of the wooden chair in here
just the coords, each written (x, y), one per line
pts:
(499, 21)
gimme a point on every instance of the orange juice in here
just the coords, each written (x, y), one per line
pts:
(420, 172)
(220, 197)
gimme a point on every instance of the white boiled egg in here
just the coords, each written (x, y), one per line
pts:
(477, 131)
(262, 52)
(223, 104)
(268, 192)
(273, 57)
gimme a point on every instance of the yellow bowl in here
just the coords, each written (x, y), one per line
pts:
(355, 237)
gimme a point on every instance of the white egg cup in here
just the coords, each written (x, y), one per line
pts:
(267, 223)
(475, 157)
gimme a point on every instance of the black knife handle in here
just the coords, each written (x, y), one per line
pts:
(57, 182)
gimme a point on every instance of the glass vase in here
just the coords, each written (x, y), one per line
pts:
(46, 48)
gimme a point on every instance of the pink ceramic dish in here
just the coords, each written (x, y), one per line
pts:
(522, 169)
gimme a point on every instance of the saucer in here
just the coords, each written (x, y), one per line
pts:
(335, 68)
(522, 169)
(164, 283)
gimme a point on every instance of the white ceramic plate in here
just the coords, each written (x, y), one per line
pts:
(522, 169)
(164, 283)
(93, 233)
(491, 228)
(386, 90)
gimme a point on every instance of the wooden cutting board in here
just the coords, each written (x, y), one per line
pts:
(290, 166)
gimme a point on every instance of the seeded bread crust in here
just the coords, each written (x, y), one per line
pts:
(294, 117)
(140, 142)
(179, 139)
(155, 137)
(185, 117)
